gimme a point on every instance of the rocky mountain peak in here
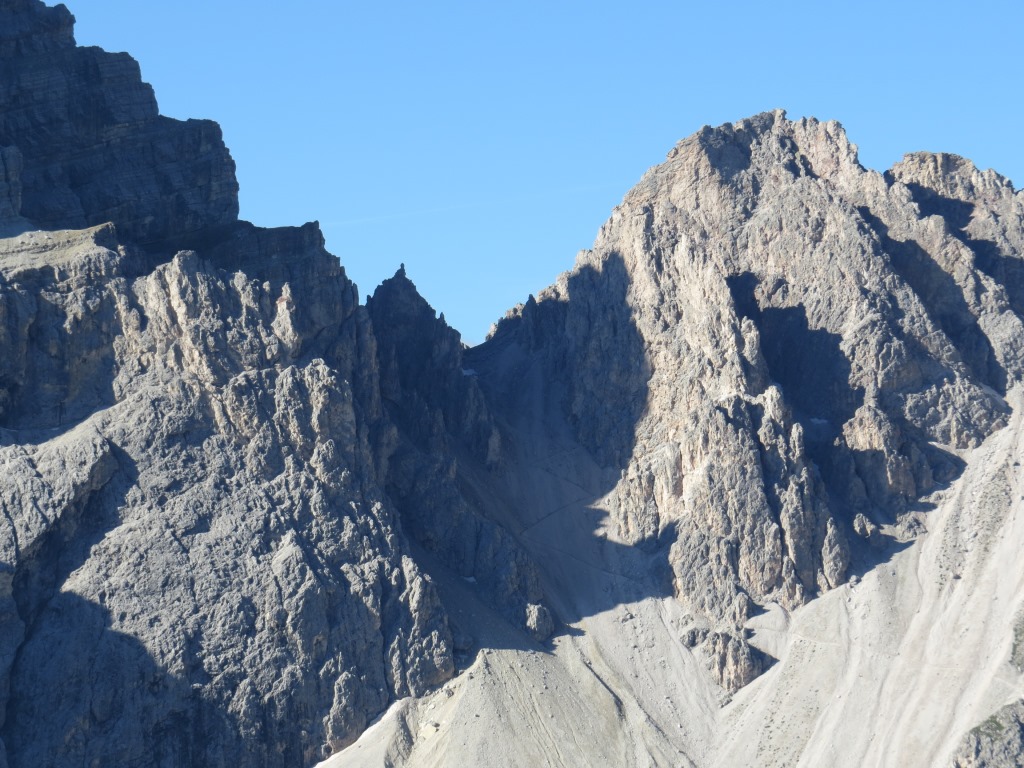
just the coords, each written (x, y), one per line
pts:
(798, 356)
(764, 144)
(243, 515)
(93, 147)
(30, 27)
(952, 176)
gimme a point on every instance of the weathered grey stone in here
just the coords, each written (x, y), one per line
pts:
(768, 340)
(106, 153)
(220, 472)
(213, 522)
(998, 742)
(732, 661)
(539, 622)
(199, 548)
(442, 421)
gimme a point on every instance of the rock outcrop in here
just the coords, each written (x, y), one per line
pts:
(996, 743)
(200, 560)
(444, 422)
(203, 560)
(227, 484)
(93, 145)
(768, 341)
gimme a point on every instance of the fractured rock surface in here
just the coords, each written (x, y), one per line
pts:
(201, 562)
(214, 532)
(93, 147)
(243, 515)
(751, 294)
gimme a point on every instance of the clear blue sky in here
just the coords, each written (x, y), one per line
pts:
(483, 144)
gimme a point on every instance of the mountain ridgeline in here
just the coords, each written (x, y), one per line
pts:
(242, 514)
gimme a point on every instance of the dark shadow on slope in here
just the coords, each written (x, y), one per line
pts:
(814, 374)
(455, 474)
(1007, 270)
(589, 343)
(944, 301)
(807, 363)
(85, 693)
(476, 621)
(566, 379)
(16, 227)
(95, 696)
(59, 367)
(44, 567)
(81, 692)
(809, 366)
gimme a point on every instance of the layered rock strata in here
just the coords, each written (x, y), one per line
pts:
(93, 145)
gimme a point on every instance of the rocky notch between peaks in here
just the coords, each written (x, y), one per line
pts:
(226, 482)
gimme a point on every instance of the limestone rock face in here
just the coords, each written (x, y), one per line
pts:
(210, 478)
(996, 743)
(106, 154)
(733, 662)
(199, 563)
(195, 530)
(443, 421)
(768, 341)
(241, 515)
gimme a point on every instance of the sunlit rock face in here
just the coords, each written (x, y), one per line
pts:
(199, 562)
(767, 341)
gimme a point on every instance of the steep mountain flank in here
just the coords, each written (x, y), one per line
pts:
(766, 343)
(87, 145)
(445, 424)
(777, 376)
(204, 568)
(742, 486)
(201, 560)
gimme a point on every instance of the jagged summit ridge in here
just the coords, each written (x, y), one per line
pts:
(216, 475)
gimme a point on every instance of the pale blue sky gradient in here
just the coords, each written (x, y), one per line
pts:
(483, 144)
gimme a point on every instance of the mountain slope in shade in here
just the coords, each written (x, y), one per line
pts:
(913, 663)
